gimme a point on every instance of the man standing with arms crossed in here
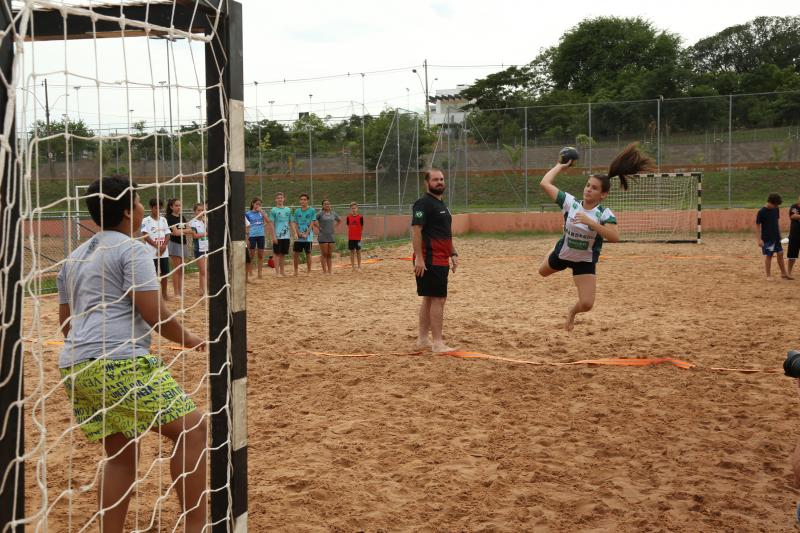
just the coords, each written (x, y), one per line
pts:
(432, 238)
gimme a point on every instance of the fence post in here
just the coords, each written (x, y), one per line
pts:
(730, 147)
(525, 141)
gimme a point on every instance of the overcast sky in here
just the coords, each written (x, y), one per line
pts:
(462, 40)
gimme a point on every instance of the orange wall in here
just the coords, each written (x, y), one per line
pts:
(397, 226)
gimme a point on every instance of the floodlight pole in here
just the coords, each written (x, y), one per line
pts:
(12, 443)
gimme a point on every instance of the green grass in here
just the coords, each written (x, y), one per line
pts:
(749, 188)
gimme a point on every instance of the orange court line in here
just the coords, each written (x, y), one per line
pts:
(609, 361)
(369, 261)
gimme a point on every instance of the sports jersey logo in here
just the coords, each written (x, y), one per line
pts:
(418, 214)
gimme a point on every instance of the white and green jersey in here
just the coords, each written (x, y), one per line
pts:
(579, 243)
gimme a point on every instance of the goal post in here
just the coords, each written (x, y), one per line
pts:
(217, 25)
(659, 207)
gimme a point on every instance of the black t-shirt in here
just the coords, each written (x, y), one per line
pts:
(172, 221)
(437, 239)
(794, 227)
(768, 218)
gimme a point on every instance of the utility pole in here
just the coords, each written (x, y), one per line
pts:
(47, 119)
(427, 96)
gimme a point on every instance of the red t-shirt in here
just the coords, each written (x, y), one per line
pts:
(355, 225)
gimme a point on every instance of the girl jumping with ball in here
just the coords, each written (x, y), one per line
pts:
(587, 224)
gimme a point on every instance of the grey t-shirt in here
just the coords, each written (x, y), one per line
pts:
(96, 282)
(326, 225)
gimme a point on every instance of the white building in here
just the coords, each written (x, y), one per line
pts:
(446, 106)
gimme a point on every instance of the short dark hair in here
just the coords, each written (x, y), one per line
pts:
(156, 202)
(253, 202)
(775, 199)
(304, 194)
(108, 199)
(431, 171)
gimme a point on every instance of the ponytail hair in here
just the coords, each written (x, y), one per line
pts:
(628, 162)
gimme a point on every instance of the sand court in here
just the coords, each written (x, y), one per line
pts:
(389, 439)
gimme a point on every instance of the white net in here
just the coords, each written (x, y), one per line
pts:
(657, 207)
(109, 410)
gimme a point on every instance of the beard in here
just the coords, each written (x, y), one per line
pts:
(438, 189)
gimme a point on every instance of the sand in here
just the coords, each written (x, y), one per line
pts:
(434, 443)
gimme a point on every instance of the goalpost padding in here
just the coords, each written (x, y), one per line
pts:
(218, 23)
(658, 207)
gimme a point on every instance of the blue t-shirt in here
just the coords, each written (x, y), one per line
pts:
(256, 219)
(768, 218)
(303, 219)
(280, 218)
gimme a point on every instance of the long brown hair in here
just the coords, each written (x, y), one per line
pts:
(628, 162)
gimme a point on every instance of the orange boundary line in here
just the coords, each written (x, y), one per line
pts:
(609, 361)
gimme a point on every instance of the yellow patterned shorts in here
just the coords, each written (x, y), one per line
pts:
(126, 396)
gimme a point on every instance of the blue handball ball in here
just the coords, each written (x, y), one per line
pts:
(567, 154)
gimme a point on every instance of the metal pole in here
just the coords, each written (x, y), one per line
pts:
(525, 147)
(310, 162)
(466, 162)
(590, 137)
(363, 143)
(258, 123)
(227, 320)
(47, 121)
(399, 201)
(427, 97)
(416, 160)
(658, 132)
(169, 99)
(730, 148)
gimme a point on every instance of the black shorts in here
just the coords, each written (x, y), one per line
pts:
(579, 268)
(162, 265)
(257, 242)
(433, 282)
(794, 247)
(282, 248)
(302, 246)
(353, 245)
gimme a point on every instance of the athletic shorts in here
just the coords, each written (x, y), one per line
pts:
(282, 248)
(433, 282)
(794, 247)
(162, 265)
(176, 249)
(771, 247)
(353, 245)
(302, 246)
(257, 242)
(579, 268)
(198, 254)
(106, 398)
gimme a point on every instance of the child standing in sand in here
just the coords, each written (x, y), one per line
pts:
(768, 235)
(355, 227)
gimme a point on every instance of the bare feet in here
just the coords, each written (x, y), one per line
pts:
(440, 347)
(786, 276)
(569, 325)
(423, 344)
(770, 278)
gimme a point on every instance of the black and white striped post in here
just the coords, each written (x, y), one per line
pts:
(699, 177)
(12, 446)
(226, 267)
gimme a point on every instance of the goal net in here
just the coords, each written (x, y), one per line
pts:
(123, 341)
(658, 207)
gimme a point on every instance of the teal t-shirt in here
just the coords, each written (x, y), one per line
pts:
(303, 219)
(280, 218)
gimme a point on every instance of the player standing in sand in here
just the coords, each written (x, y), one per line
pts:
(587, 224)
(279, 218)
(434, 253)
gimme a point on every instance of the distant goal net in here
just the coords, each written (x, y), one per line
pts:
(658, 207)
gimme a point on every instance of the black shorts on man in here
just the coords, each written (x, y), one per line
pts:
(282, 248)
(353, 245)
(433, 282)
(302, 246)
(794, 247)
